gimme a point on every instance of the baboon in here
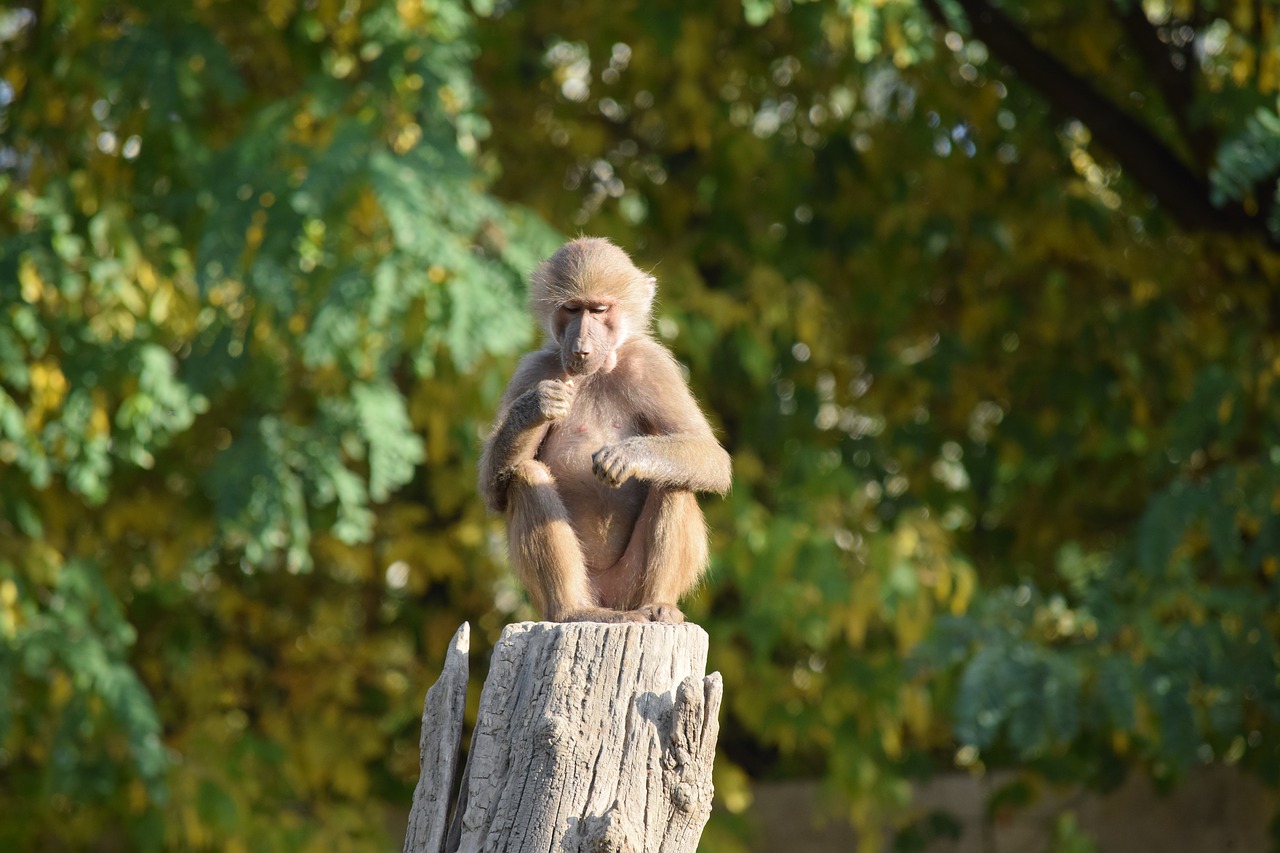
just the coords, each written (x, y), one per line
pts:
(598, 448)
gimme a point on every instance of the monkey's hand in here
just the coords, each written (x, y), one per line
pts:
(554, 398)
(614, 464)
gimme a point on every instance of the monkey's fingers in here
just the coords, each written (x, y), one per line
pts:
(659, 612)
(610, 466)
(604, 614)
(555, 400)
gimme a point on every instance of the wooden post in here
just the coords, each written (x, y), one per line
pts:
(590, 738)
(439, 745)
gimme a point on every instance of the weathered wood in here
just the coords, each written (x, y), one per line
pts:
(591, 738)
(440, 745)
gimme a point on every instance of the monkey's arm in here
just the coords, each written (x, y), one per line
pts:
(529, 405)
(680, 450)
(678, 461)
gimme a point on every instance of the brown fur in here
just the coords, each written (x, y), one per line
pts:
(585, 267)
(598, 449)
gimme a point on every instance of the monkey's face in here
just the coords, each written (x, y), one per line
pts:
(589, 332)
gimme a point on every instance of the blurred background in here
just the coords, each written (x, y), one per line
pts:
(983, 297)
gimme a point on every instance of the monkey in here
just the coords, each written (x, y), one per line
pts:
(598, 449)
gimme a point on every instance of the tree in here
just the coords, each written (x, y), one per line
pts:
(588, 736)
(989, 297)
(244, 255)
(982, 298)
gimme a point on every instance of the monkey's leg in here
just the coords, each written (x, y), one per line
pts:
(667, 554)
(545, 553)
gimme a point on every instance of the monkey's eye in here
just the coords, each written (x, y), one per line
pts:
(571, 309)
(598, 309)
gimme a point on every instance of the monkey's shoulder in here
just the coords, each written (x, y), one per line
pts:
(534, 367)
(541, 361)
(645, 361)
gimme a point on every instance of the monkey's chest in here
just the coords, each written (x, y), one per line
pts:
(603, 516)
(570, 444)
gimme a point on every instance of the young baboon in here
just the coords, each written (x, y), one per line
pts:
(598, 449)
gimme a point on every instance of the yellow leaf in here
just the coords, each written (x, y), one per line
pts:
(916, 710)
(411, 12)
(943, 582)
(732, 786)
(146, 276)
(1242, 69)
(905, 540)
(279, 12)
(99, 420)
(138, 799)
(194, 832)
(855, 627)
(1144, 290)
(911, 621)
(1120, 742)
(29, 281)
(60, 689)
(891, 740)
(1269, 66)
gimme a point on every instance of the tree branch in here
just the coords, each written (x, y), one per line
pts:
(1141, 154)
(1170, 69)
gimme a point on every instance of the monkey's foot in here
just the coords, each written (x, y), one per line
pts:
(667, 613)
(604, 614)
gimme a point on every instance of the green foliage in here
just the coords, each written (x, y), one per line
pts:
(1007, 463)
(948, 338)
(78, 647)
(243, 253)
(1247, 163)
(1068, 837)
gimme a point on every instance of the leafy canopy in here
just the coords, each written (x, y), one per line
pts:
(984, 298)
(981, 297)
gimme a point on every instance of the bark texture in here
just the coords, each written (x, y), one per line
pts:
(591, 738)
(439, 747)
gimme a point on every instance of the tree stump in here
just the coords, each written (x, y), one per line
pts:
(590, 738)
(439, 746)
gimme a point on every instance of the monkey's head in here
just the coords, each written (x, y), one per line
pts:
(591, 299)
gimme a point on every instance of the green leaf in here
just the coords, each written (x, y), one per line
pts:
(394, 448)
